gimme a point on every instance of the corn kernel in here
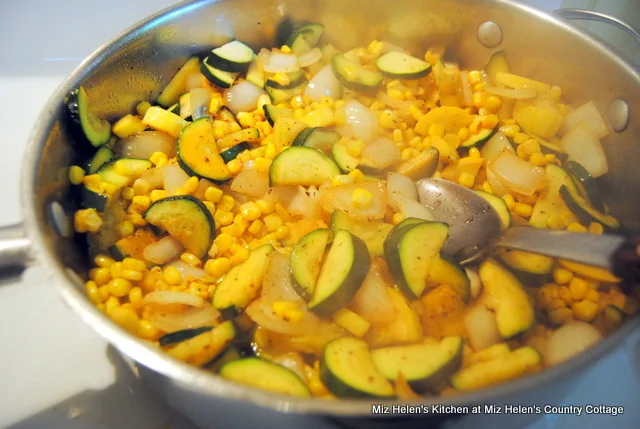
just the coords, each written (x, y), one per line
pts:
(479, 98)
(388, 119)
(250, 211)
(361, 198)
(510, 130)
(240, 256)
(217, 267)
(559, 315)
(235, 166)
(397, 218)
(223, 217)
(397, 136)
(596, 228)
(104, 293)
(133, 264)
(141, 187)
(522, 209)
(474, 152)
(103, 261)
(474, 127)
(172, 275)
(593, 295)
(492, 103)
(139, 203)
(585, 310)
(288, 311)
(282, 232)
(285, 49)
(142, 108)
(191, 184)
(463, 133)
(111, 304)
(147, 331)
(255, 227)
(87, 220)
(510, 201)
(537, 159)
(92, 292)
(266, 207)
(578, 288)
(486, 186)
(272, 222)
(234, 230)
(223, 242)
(132, 275)
(355, 147)
(213, 194)
(262, 164)
(562, 276)
(556, 222)
(475, 77)
(480, 86)
(490, 122)
(119, 287)
(341, 179)
(576, 227)
(124, 228)
(565, 295)
(158, 194)
(555, 304)
(156, 157)
(227, 203)
(76, 175)
(466, 179)
(128, 193)
(126, 318)
(190, 259)
(520, 138)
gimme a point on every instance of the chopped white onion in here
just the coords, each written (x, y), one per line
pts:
(474, 280)
(570, 340)
(400, 185)
(174, 177)
(497, 186)
(277, 284)
(261, 312)
(381, 153)
(494, 147)
(372, 301)
(517, 174)
(589, 117)
(292, 361)
(481, 327)
(392, 102)
(362, 122)
(583, 148)
(310, 57)
(154, 177)
(163, 250)
(200, 100)
(466, 89)
(191, 318)
(323, 84)
(340, 197)
(412, 208)
(144, 144)
(243, 97)
(194, 80)
(187, 270)
(281, 62)
(251, 182)
(515, 94)
(167, 297)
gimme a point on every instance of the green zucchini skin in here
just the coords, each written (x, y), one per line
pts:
(179, 336)
(364, 80)
(584, 211)
(586, 184)
(87, 130)
(296, 78)
(478, 140)
(264, 374)
(233, 152)
(94, 200)
(219, 78)
(398, 65)
(221, 57)
(306, 261)
(103, 156)
(272, 113)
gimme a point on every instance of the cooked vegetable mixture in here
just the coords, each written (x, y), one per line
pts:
(260, 219)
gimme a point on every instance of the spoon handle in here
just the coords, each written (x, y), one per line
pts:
(613, 252)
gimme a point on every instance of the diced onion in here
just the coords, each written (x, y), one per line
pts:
(517, 174)
(323, 84)
(372, 301)
(412, 208)
(474, 280)
(340, 197)
(362, 122)
(400, 185)
(277, 284)
(191, 318)
(515, 94)
(292, 361)
(195, 80)
(494, 147)
(243, 97)
(251, 182)
(481, 327)
(144, 144)
(497, 186)
(583, 148)
(570, 340)
(188, 270)
(589, 117)
(392, 102)
(466, 89)
(200, 99)
(381, 152)
(279, 62)
(174, 178)
(167, 297)
(163, 250)
(310, 57)
(154, 177)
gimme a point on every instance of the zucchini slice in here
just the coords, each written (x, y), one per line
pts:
(444, 271)
(92, 199)
(176, 86)
(372, 232)
(318, 138)
(175, 108)
(502, 368)
(479, 139)
(232, 57)
(296, 78)
(305, 38)
(301, 165)
(198, 153)
(225, 114)
(306, 261)
(265, 375)
(103, 156)
(278, 96)
(248, 135)
(421, 166)
(271, 113)
(345, 268)
(109, 171)
(84, 124)
(507, 298)
(530, 268)
(347, 370)
(586, 184)
(205, 347)
(398, 65)
(345, 161)
(183, 335)
(233, 152)
(186, 219)
(500, 206)
(550, 203)
(426, 367)
(551, 149)
(354, 76)
(133, 245)
(219, 78)
(410, 252)
(584, 211)
(240, 286)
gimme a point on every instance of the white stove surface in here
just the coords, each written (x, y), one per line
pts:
(57, 373)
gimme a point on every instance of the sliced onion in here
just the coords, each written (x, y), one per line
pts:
(412, 208)
(174, 177)
(497, 186)
(474, 280)
(494, 147)
(392, 102)
(277, 284)
(197, 317)
(363, 123)
(243, 97)
(188, 270)
(481, 327)
(261, 312)
(200, 99)
(314, 208)
(570, 340)
(251, 182)
(324, 83)
(163, 250)
(195, 80)
(381, 153)
(515, 94)
(583, 148)
(517, 174)
(144, 144)
(466, 88)
(294, 362)
(372, 301)
(340, 197)
(154, 177)
(310, 57)
(400, 185)
(588, 116)
(281, 62)
(167, 297)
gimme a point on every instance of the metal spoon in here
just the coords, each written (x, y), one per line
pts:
(474, 227)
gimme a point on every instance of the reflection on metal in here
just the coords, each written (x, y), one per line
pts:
(619, 115)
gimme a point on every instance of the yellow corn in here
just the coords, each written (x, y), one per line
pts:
(119, 287)
(510, 201)
(351, 321)
(490, 121)
(355, 147)
(132, 275)
(578, 288)
(585, 310)
(101, 276)
(522, 209)
(262, 164)
(475, 77)
(538, 159)
(172, 275)
(356, 176)
(158, 194)
(474, 152)
(133, 264)
(126, 318)
(565, 295)
(562, 276)
(250, 211)
(397, 218)
(596, 228)
(191, 184)
(397, 136)
(190, 259)
(142, 108)
(213, 194)
(255, 227)
(240, 256)
(223, 242)
(76, 175)
(158, 157)
(223, 217)
(285, 49)
(227, 203)
(556, 222)
(466, 179)
(282, 232)
(103, 261)
(87, 220)
(128, 193)
(234, 230)
(124, 228)
(593, 295)
(479, 98)
(235, 166)
(141, 187)
(436, 130)
(559, 315)
(272, 222)
(492, 103)
(576, 227)
(555, 304)
(510, 130)
(361, 198)
(92, 292)
(288, 311)
(520, 138)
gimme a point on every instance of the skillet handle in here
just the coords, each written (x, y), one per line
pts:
(590, 15)
(15, 255)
